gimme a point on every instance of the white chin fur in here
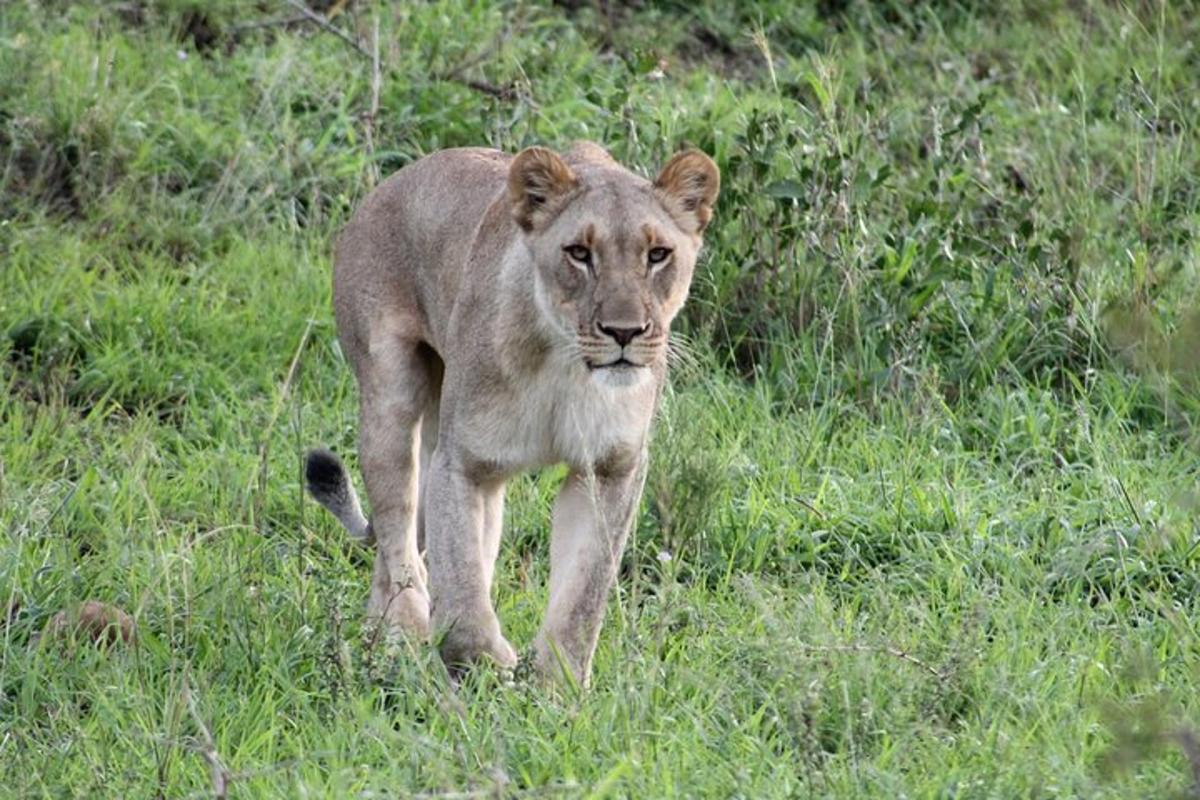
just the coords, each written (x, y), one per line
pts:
(620, 377)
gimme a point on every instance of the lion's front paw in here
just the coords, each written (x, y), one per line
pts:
(559, 662)
(465, 644)
(403, 610)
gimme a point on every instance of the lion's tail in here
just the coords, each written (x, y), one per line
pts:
(328, 482)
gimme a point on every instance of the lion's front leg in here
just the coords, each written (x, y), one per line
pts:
(592, 518)
(461, 556)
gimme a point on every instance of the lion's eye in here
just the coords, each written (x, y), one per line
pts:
(578, 252)
(658, 255)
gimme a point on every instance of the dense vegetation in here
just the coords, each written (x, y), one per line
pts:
(922, 518)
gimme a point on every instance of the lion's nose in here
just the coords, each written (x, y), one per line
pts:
(623, 334)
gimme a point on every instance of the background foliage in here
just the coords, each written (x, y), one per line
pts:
(922, 514)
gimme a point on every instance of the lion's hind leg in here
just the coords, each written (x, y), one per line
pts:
(397, 384)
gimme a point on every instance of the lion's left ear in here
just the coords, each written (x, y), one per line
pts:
(687, 187)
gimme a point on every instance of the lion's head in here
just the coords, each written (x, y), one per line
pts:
(613, 253)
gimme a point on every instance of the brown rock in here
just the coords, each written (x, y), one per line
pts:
(100, 622)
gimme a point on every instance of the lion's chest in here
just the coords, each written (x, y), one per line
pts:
(554, 419)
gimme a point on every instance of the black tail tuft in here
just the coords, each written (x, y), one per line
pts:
(325, 476)
(329, 484)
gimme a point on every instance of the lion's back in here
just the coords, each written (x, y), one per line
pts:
(404, 248)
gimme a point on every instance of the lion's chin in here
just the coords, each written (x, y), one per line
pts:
(620, 375)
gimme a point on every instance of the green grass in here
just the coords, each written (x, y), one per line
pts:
(922, 514)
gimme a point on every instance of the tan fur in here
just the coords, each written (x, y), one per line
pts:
(479, 344)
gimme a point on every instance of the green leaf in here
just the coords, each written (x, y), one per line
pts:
(786, 190)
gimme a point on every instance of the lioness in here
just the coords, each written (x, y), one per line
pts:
(505, 313)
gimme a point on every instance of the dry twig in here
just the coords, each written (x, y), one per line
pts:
(373, 112)
(264, 449)
(326, 26)
(499, 92)
(500, 789)
(276, 22)
(895, 652)
(208, 749)
(455, 74)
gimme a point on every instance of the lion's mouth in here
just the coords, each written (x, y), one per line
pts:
(620, 364)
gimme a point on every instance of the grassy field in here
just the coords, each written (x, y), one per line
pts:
(922, 515)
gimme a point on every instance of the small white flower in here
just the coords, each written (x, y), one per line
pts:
(664, 556)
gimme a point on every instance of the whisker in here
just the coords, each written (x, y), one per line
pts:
(681, 352)
(569, 352)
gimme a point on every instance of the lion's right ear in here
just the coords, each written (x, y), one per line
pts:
(538, 183)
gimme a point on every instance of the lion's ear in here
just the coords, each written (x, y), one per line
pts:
(538, 183)
(687, 187)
